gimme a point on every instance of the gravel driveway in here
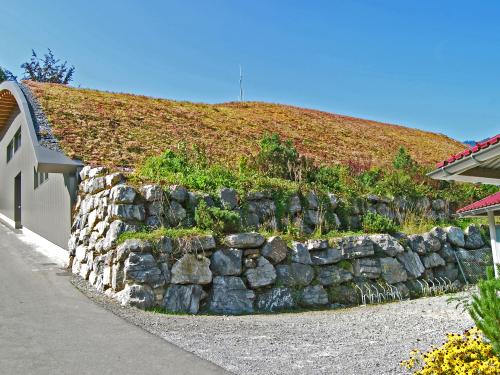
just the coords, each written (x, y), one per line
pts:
(362, 340)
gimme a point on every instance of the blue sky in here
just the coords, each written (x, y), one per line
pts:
(433, 65)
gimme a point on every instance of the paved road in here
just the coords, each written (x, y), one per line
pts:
(48, 327)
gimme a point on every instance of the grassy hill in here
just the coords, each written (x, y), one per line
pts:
(120, 130)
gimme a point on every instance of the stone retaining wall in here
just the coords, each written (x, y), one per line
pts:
(243, 272)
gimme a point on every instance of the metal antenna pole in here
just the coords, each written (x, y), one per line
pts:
(241, 84)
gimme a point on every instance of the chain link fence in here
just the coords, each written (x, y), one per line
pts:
(472, 264)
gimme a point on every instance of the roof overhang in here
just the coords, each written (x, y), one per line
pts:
(47, 160)
(479, 167)
(482, 211)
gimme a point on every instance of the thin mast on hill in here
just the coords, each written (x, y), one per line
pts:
(241, 84)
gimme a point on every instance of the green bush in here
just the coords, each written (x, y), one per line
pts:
(485, 309)
(277, 158)
(279, 168)
(218, 220)
(403, 160)
(376, 223)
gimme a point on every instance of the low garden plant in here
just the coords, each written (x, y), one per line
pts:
(467, 353)
(476, 351)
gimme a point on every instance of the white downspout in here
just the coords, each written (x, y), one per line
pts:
(494, 243)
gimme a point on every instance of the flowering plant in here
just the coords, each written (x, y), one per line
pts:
(466, 353)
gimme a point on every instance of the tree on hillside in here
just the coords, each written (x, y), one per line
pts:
(6, 75)
(47, 69)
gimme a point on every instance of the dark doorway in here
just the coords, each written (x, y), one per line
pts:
(17, 200)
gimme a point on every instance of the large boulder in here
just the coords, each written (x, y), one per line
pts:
(191, 269)
(393, 272)
(386, 245)
(300, 254)
(449, 272)
(344, 294)
(356, 247)
(178, 193)
(226, 262)
(440, 234)
(175, 213)
(328, 256)
(412, 263)
(117, 277)
(333, 275)
(122, 194)
(274, 249)
(433, 260)
(152, 193)
(473, 237)
(312, 200)
(244, 240)
(314, 295)
(183, 298)
(262, 275)
(228, 198)
(294, 205)
(366, 267)
(94, 185)
(114, 179)
(127, 212)
(448, 253)
(275, 299)
(141, 296)
(432, 243)
(230, 296)
(316, 244)
(132, 246)
(455, 236)
(417, 243)
(295, 274)
(142, 268)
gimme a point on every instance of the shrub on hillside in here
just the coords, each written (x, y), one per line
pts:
(375, 223)
(279, 168)
(403, 160)
(217, 220)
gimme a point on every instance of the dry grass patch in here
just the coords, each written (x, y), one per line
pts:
(120, 130)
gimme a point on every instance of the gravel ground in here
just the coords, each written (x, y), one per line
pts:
(361, 340)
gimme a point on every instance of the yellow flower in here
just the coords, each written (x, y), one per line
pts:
(464, 354)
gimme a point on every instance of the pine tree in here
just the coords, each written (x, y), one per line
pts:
(485, 309)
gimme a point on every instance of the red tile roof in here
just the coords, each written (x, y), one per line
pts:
(490, 201)
(478, 147)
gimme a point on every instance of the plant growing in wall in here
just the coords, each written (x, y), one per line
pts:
(216, 219)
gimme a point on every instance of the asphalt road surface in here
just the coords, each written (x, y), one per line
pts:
(48, 327)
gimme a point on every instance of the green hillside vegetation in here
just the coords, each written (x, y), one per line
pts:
(278, 168)
(121, 130)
